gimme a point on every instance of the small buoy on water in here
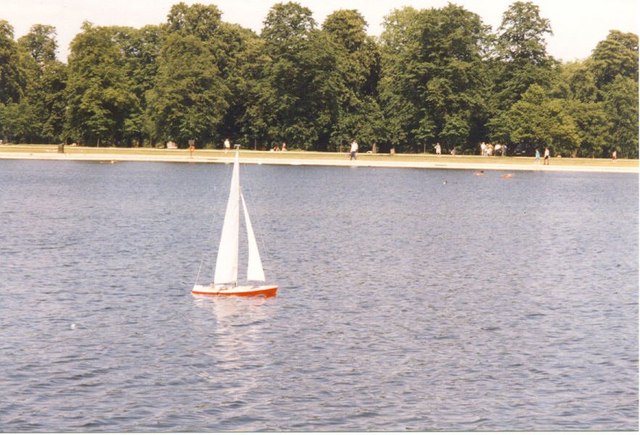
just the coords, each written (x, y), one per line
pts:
(73, 326)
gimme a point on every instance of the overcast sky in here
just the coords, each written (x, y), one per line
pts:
(578, 25)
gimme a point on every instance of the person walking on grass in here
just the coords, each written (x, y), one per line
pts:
(546, 155)
(354, 150)
(537, 155)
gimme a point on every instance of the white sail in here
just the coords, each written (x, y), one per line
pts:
(254, 266)
(227, 260)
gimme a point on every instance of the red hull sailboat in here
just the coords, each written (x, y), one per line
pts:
(225, 280)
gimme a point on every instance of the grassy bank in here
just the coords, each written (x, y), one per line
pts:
(51, 151)
(310, 155)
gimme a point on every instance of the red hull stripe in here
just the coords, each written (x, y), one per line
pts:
(267, 293)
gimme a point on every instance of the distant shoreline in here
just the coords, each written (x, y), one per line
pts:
(296, 158)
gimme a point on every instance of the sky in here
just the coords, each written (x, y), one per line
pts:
(578, 25)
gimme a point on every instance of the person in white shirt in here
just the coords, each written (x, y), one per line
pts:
(354, 150)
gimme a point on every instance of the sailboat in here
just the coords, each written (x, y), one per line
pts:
(225, 280)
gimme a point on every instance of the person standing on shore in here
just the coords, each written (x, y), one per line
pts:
(537, 155)
(227, 145)
(438, 148)
(354, 150)
(546, 155)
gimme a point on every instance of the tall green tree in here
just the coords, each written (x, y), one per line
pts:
(12, 80)
(581, 82)
(614, 56)
(621, 105)
(399, 104)
(359, 68)
(140, 51)
(224, 44)
(46, 82)
(538, 120)
(520, 54)
(99, 91)
(437, 83)
(522, 34)
(17, 121)
(53, 108)
(580, 95)
(198, 20)
(286, 27)
(299, 85)
(237, 50)
(189, 99)
(592, 127)
(614, 66)
(254, 121)
(40, 43)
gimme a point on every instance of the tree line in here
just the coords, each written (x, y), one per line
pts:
(437, 75)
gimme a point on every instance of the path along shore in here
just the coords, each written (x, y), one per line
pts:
(294, 158)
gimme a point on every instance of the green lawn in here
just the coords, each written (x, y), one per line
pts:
(301, 155)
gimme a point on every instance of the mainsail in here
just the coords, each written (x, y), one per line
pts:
(226, 271)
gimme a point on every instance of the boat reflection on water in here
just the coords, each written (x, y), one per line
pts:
(234, 311)
(238, 354)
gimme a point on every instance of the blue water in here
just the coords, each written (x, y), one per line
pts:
(409, 300)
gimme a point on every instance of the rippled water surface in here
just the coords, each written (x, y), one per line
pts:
(409, 300)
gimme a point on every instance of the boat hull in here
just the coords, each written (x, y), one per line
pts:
(266, 291)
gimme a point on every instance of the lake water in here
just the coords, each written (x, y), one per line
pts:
(409, 300)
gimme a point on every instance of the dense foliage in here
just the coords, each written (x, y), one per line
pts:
(437, 75)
